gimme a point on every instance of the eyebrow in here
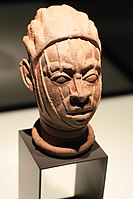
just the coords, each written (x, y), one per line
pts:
(54, 66)
(87, 68)
(64, 67)
(90, 64)
(69, 69)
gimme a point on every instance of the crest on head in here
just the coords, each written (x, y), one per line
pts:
(49, 27)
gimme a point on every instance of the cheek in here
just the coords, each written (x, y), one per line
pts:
(97, 91)
(53, 92)
(93, 90)
(56, 92)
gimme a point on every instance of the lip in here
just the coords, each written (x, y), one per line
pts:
(79, 111)
(80, 118)
(80, 115)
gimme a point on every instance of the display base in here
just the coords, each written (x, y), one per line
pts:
(45, 177)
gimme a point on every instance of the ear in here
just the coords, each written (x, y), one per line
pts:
(26, 74)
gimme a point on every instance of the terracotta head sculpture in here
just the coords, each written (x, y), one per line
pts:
(64, 71)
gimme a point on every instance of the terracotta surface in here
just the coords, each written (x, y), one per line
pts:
(64, 71)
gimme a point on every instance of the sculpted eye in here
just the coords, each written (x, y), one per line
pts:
(90, 76)
(60, 78)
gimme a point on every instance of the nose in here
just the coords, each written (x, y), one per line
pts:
(79, 101)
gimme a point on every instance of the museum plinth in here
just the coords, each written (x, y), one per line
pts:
(42, 176)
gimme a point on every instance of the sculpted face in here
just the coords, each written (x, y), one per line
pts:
(71, 77)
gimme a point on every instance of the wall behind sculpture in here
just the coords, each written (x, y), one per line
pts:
(14, 18)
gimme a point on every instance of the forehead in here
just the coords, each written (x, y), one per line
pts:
(75, 52)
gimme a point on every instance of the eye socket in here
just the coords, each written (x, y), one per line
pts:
(60, 78)
(90, 76)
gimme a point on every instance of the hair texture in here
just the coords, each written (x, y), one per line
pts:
(57, 23)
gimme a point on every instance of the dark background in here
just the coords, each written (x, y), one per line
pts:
(114, 20)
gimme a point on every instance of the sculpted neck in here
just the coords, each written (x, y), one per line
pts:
(62, 138)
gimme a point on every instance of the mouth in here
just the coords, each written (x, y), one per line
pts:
(80, 115)
(79, 111)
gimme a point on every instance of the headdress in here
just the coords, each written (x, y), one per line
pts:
(57, 23)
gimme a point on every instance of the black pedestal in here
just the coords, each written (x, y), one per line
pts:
(84, 175)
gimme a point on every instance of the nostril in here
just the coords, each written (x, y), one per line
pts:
(73, 100)
(86, 101)
(80, 101)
